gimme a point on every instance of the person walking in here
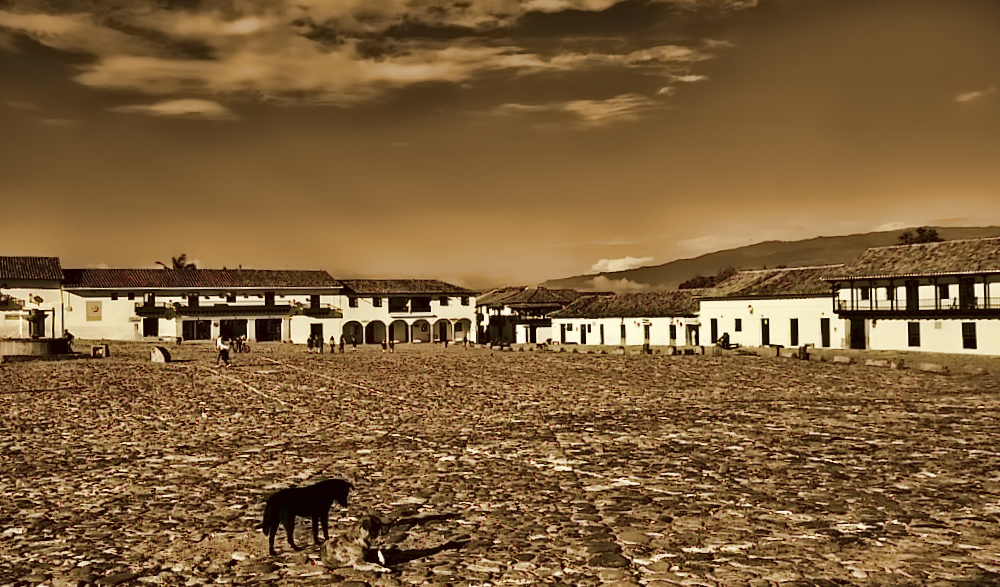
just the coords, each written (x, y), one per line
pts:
(333, 344)
(341, 344)
(222, 345)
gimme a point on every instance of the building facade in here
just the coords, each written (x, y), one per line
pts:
(935, 297)
(201, 304)
(518, 315)
(407, 310)
(788, 307)
(648, 318)
(31, 302)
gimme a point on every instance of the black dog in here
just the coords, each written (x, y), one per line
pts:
(313, 501)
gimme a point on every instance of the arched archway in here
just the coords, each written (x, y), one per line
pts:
(374, 332)
(399, 331)
(463, 330)
(421, 331)
(353, 331)
(443, 331)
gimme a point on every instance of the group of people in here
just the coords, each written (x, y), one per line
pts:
(314, 344)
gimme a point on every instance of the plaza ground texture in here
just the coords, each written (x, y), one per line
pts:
(510, 468)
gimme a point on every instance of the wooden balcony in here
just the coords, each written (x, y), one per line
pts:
(923, 308)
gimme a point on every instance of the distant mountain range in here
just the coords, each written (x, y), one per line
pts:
(816, 251)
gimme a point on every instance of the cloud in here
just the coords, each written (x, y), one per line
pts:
(342, 52)
(587, 113)
(623, 285)
(60, 122)
(183, 108)
(622, 264)
(890, 226)
(972, 96)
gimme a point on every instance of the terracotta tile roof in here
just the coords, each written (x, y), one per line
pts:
(197, 278)
(491, 297)
(785, 282)
(529, 297)
(404, 286)
(634, 305)
(981, 255)
(33, 268)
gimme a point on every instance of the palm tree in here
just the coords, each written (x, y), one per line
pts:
(178, 263)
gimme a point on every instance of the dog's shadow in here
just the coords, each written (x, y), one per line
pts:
(393, 556)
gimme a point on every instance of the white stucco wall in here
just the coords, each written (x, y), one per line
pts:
(13, 323)
(779, 313)
(367, 312)
(936, 336)
(659, 331)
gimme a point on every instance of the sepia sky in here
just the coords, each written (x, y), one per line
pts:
(487, 142)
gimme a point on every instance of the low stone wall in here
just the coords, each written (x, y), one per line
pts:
(34, 347)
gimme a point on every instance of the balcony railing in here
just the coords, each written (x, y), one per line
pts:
(919, 307)
(322, 311)
(165, 309)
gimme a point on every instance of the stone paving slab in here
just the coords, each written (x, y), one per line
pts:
(511, 468)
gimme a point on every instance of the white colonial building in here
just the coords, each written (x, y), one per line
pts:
(201, 304)
(937, 297)
(787, 307)
(30, 297)
(407, 310)
(520, 314)
(648, 318)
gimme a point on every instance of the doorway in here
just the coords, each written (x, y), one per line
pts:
(858, 333)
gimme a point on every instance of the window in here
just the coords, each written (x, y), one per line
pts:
(569, 328)
(352, 302)
(377, 302)
(623, 334)
(673, 332)
(444, 300)
(114, 296)
(420, 305)
(397, 305)
(314, 301)
(131, 295)
(793, 338)
(192, 300)
(943, 292)
(231, 298)
(913, 333)
(968, 335)
(738, 326)
(866, 293)
(465, 300)
(269, 298)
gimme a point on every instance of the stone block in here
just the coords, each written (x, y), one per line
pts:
(933, 368)
(843, 359)
(877, 363)
(159, 354)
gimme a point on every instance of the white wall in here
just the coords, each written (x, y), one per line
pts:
(779, 313)
(13, 323)
(936, 336)
(454, 311)
(659, 331)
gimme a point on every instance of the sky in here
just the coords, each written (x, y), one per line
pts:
(487, 142)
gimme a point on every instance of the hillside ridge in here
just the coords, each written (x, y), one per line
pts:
(821, 250)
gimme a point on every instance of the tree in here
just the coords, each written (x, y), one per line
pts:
(924, 234)
(178, 263)
(700, 282)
